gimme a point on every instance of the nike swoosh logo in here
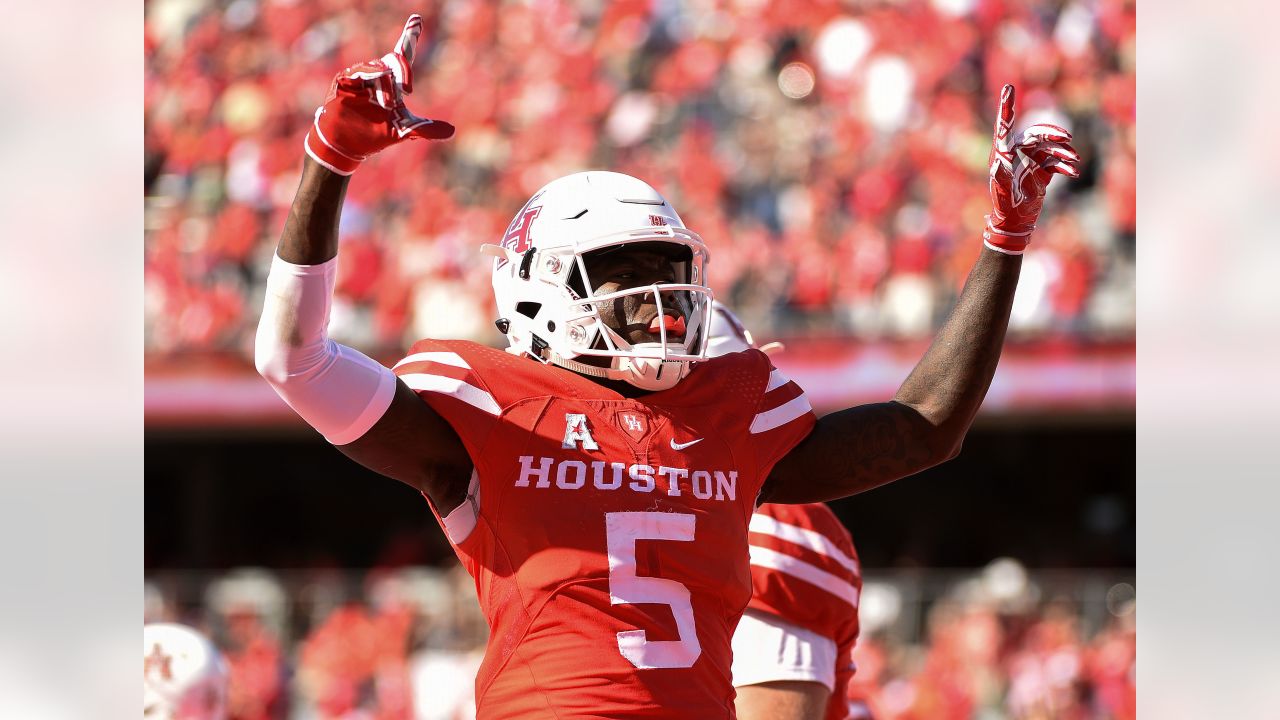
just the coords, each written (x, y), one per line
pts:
(680, 446)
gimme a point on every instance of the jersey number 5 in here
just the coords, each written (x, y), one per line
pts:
(622, 530)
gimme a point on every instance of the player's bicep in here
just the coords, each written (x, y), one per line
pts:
(412, 443)
(854, 450)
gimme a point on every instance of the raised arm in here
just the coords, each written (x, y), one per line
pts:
(310, 234)
(356, 403)
(863, 447)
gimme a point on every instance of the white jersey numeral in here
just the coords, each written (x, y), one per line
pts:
(622, 530)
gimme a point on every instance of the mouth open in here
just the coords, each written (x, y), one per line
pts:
(674, 325)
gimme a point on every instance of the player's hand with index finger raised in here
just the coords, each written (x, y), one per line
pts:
(1019, 171)
(365, 113)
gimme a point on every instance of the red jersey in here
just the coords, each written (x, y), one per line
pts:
(607, 536)
(805, 570)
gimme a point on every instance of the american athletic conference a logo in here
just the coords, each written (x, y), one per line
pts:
(577, 431)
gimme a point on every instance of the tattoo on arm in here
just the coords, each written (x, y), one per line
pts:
(851, 451)
(861, 448)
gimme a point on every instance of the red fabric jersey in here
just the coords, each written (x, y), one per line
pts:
(607, 536)
(805, 570)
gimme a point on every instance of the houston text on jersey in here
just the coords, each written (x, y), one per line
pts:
(565, 474)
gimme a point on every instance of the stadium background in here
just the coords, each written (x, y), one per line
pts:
(832, 154)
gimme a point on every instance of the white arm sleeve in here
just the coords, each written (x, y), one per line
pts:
(769, 649)
(337, 390)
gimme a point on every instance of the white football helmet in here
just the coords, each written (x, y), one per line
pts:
(183, 675)
(540, 279)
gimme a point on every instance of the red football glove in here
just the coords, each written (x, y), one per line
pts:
(1020, 173)
(364, 111)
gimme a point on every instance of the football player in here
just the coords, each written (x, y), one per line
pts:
(793, 647)
(597, 478)
(184, 677)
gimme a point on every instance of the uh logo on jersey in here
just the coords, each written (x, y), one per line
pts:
(568, 473)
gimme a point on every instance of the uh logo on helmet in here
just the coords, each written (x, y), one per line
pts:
(540, 279)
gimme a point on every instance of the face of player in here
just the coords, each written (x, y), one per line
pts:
(635, 317)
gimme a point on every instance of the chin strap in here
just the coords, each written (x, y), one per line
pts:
(582, 368)
(629, 377)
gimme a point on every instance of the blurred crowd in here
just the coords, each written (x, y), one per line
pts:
(998, 644)
(405, 644)
(385, 645)
(832, 153)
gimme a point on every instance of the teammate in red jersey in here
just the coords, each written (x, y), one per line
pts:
(793, 647)
(597, 478)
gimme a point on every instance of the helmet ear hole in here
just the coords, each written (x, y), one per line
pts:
(529, 309)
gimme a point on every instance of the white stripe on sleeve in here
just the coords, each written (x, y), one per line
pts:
(781, 415)
(444, 358)
(803, 537)
(466, 392)
(776, 380)
(774, 560)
